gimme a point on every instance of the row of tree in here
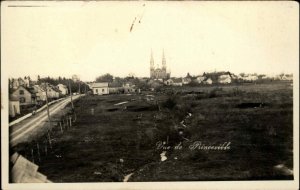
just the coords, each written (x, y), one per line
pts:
(76, 86)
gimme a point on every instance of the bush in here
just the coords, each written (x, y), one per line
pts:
(170, 103)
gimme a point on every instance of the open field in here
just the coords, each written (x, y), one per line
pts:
(117, 135)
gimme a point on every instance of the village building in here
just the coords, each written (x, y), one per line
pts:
(63, 88)
(225, 79)
(159, 73)
(249, 77)
(169, 82)
(14, 106)
(100, 88)
(187, 79)
(115, 88)
(200, 79)
(208, 81)
(129, 88)
(40, 93)
(26, 96)
(177, 82)
(288, 77)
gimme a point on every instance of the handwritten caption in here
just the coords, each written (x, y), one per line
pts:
(196, 145)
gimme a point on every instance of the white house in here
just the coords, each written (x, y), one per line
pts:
(63, 88)
(225, 79)
(14, 106)
(208, 81)
(39, 92)
(52, 92)
(200, 79)
(100, 88)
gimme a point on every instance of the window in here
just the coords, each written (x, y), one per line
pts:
(22, 100)
(97, 91)
(103, 90)
(21, 92)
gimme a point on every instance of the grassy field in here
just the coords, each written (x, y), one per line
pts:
(111, 140)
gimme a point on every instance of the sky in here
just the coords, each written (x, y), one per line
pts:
(93, 38)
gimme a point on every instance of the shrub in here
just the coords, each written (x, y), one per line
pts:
(170, 103)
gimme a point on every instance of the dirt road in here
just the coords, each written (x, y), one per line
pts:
(18, 131)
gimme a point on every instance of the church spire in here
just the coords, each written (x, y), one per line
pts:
(151, 61)
(164, 65)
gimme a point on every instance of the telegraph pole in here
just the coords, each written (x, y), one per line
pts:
(47, 104)
(71, 95)
(48, 112)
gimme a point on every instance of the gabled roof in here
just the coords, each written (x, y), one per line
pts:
(62, 85)
(177, 80)
(30, 90)
(99, 84)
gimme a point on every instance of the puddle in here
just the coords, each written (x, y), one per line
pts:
(121, 103)
(163, 156)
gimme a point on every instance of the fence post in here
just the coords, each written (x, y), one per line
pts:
(49, 139)
(38, 151)
(70, 117)
(46, 151)
(61, 129)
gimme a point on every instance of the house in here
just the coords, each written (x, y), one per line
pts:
(208, 81)
(187, 79)
(52, 91)
(57, 92)
(39, 92)
(63, 88)
(26, 96)
(249, 77)
(169, 82)
(225, 79)
(14, 106)
(115, 88)
(200, 79)
(129, 88)
(287, 77)
(100, 88)
(177, 82)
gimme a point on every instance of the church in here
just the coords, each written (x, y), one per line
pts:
(159, 73)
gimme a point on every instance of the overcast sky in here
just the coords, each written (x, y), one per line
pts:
(92, 38)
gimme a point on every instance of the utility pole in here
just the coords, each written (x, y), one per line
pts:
(48, 113)
(71, 95)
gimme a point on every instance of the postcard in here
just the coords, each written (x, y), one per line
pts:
(150, 94)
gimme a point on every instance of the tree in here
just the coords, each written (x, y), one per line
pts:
(105, 78)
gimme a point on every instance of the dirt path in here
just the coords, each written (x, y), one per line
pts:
(20, 130)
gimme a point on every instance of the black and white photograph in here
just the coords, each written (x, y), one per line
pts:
(150, 94)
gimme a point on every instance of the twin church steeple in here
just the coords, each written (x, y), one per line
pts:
(158, 73)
